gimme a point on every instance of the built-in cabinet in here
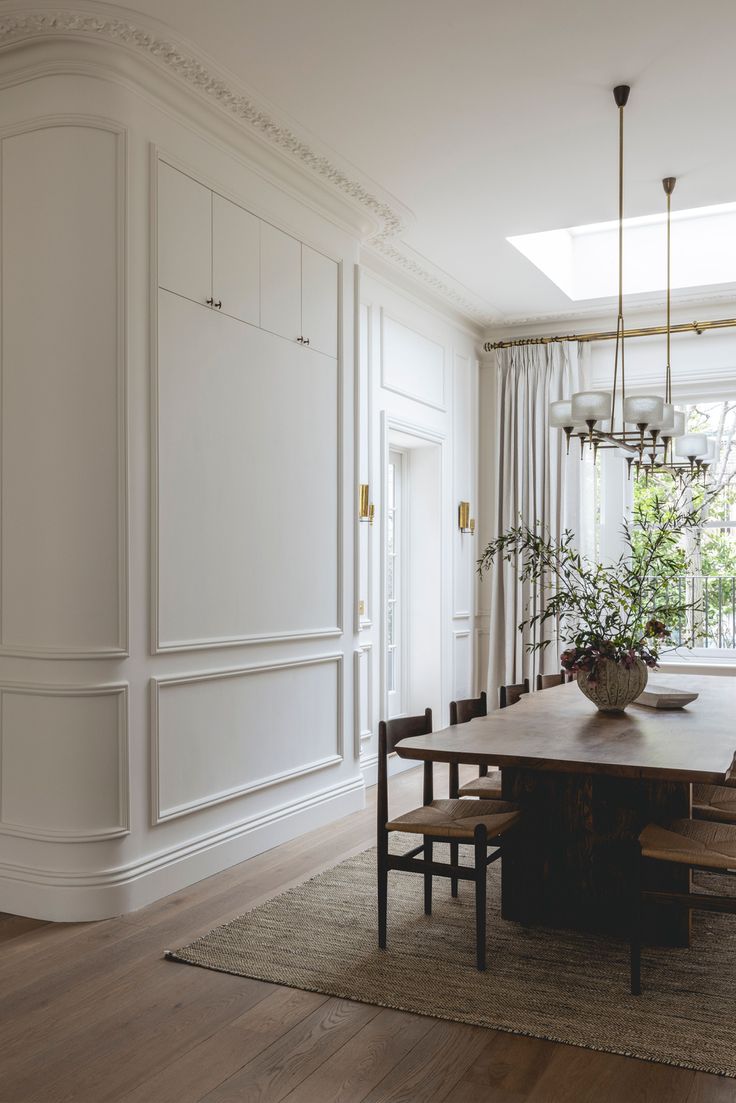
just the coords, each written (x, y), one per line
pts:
(247, 426)
(216, 253)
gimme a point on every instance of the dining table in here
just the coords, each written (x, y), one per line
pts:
(587, 782)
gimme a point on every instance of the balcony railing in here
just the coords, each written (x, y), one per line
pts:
(711, 623)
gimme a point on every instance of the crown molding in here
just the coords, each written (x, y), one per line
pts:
(89, 21)
(510, 325)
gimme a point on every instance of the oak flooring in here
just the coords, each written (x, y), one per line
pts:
(91, 1013)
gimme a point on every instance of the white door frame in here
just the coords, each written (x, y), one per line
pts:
(391, 423)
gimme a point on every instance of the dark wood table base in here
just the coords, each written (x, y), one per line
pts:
(572, 861)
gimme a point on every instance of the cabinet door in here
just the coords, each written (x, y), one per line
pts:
(184, 235)
(235, 260)
(319, 301)
(281, 283)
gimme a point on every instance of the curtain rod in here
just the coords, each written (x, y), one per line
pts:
(610, 335)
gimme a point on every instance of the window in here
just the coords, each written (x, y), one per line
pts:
(711, 550)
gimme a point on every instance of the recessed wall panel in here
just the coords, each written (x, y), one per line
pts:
(412, 364)
(63, 762)
(218, 736)
(247, 519)
(63, 453)
(464, 545)
(462, 665)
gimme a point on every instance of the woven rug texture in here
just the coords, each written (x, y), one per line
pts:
(554, 984)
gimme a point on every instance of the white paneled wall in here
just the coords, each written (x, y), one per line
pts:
(62, 525)
(191, 617)
(177, 477)
(417, 384)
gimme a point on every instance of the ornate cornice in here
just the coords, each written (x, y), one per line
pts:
(181, 63)
(18, 27)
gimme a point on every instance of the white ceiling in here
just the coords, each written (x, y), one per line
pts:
(488, 118)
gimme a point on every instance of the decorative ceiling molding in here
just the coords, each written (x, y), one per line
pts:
(184, 65)
(473, 310)
(512, 322)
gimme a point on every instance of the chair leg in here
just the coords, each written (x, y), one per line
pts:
(427, 877)
(454, 860)
(481, 879)
(382, 895)
(454, 848)
(635, 938)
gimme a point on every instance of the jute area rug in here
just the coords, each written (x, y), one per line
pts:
(559, 985)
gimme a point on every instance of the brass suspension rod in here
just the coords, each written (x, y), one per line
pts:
(610, 335)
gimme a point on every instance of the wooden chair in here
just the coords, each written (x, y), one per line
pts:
(547, 681)
(694, 843)
(716, 803)
(510, 695)
(478, 823)
(487, 786)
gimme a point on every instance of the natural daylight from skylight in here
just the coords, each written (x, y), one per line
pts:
(583, 261)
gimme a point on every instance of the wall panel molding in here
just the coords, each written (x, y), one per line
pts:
(118, 643)
(438, 400)
(363, 682)
(120, 821)
(160, 813)
(217, 642)
(364, 541)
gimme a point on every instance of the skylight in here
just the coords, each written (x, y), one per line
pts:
(583, 260)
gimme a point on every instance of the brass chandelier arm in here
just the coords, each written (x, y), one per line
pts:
(610, 335)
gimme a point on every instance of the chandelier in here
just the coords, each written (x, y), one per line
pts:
(649, 428)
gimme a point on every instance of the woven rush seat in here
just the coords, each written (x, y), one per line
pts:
(691, 842)
(487, 788)
(714, 802)
(457, 819)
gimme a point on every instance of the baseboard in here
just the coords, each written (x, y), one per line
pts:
(72, 897)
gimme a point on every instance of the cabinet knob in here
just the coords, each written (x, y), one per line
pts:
(300, 340)
(210, 302)
(218, 304)
(306, 340)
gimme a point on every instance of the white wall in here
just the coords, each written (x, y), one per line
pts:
(152, 735)
(417, 375)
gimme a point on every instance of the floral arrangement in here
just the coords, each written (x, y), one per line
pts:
(625, 611)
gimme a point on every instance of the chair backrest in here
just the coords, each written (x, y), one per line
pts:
(730, 778)
(546, 681)
(463, 711)
(391, 732)
(509, 695)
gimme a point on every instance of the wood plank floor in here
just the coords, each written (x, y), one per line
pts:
(92, 1013)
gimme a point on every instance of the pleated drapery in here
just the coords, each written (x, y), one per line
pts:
(535, 483)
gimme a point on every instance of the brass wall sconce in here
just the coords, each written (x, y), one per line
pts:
(465, 522)
(366, 509)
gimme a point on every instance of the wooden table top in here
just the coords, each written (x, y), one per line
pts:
(560, 729)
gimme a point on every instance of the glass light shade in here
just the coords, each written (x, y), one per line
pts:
(691, 446)
(560, 413)
(679, 427)
(710, 455)
(591, 406)
(644, 409)
(666, 425)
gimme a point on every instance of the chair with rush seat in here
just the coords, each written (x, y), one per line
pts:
(547, 681)
(511, 695)
(478, 823)
(705, 844)
(486, 786)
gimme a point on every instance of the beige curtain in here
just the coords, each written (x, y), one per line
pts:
(534, 482)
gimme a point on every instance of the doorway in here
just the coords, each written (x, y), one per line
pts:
(412, 573)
